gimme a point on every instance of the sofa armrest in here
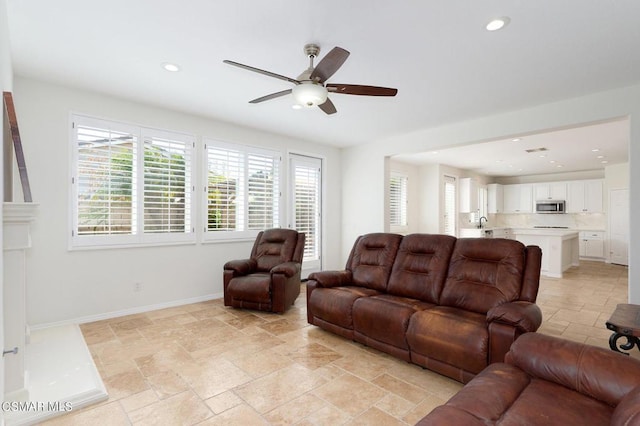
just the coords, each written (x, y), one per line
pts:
(331, 278)
(288, 269)
(241, 266)
(628, 411)
(596, 372)
(524, 316)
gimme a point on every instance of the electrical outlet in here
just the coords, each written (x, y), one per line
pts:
(137, 287)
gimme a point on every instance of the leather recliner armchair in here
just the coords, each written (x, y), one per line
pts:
(270, 279)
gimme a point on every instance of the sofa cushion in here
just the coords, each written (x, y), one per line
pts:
(372, 258)
(273, 247)
(334, 305)
(396, 311)
(544, 403)
(450, 335)
(251, 288)
(483, 275)
(597, 372)
(421, 266)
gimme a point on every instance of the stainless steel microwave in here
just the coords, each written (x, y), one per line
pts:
(551, 206)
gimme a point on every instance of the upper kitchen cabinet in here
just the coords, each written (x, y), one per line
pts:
(468, 195)
(495, 198)
(585, 196)
(518, 198)
(550, 191)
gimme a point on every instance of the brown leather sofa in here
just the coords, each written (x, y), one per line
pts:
(548, 381)
(451, 305)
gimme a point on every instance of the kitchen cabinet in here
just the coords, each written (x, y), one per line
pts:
(503, 233)
(495, 198)
(550, 191)
(518, 198)
(592, 244)
(468, 195)
(585, 196)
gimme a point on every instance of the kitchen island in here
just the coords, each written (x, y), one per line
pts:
(560, 248)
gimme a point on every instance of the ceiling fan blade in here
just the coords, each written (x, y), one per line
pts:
(328, 107)
(259, 71)
(329, 64)
(271, 96)
(356, 89)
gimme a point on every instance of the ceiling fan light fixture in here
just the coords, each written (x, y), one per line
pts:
(309, 94)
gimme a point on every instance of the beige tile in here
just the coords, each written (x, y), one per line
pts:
(223, 401)
(375, 417)
(108, 414)
(241, 415)
(294, 410)
(217, 376)
(268, 392)
(267, 362)
(125, 384)
(167, 384)
(339, 392)
(184, 408)
(400, 388)
(424, 408)
(395, 405)
(139, 400)
(313, 355)
(329, 415)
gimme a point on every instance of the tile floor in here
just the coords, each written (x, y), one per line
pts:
(206, 364)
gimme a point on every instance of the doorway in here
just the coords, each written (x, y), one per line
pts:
(305, 210)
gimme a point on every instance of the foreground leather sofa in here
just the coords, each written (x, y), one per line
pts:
(548, 381)
(451, 305)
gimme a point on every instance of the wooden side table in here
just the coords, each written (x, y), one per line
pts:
(625, 322)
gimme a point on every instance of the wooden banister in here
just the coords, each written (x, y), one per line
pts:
(17, 145)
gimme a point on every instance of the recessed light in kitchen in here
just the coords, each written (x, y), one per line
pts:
(170, 67)
(516, 139)
(559, 165)
(542, 156)
(595, 150)
(498, 23)
(552, 161)
(604, 161)
(600, 156)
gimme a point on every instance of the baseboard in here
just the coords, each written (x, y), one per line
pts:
(129, 311)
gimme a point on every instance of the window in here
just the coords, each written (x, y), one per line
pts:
(130, 185)
(398, 199)
(450, 212)
(243, 190)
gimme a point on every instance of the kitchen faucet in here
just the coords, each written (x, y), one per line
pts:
(480, 221)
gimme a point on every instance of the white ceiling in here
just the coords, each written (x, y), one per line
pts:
(446, 66)
(589, 147)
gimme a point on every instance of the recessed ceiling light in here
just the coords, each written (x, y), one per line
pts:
(559, 165)
(498, 23)
(516, 139)
(600, 156)
(434, 152)
(171, 67)
(604, 161)
(595, 150)
(296, 106)
(552, 161)
(542, 156)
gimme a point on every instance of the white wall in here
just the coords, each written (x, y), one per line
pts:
(6, 84)
(430, 194)
(366, 163)
(65, 285)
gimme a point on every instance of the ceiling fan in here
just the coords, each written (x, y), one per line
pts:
(311, 87)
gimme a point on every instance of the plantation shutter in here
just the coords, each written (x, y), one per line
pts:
(306, 180)
(225, 173)
(398, 199)
(450, 212)
(263, 191)
(105, 180)
(167, 193)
